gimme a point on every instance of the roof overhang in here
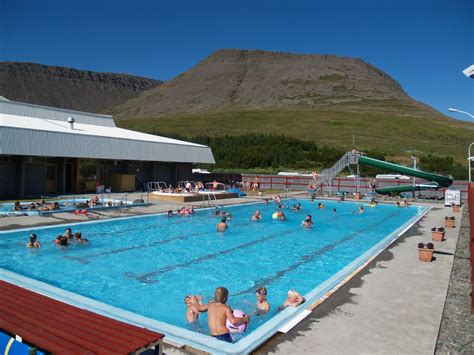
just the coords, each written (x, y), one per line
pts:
(40, 137)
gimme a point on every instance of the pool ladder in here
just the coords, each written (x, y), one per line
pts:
(211, 199)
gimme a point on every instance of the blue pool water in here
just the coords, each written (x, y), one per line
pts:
(148, 264)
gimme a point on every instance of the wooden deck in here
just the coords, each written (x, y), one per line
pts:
(60, 328)
(191, 197)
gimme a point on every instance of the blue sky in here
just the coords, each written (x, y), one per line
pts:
(422, 44)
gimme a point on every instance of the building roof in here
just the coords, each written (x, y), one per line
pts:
(53, 137)
(60, 328)
(53, 113)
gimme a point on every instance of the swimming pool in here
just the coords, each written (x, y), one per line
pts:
(147, 264)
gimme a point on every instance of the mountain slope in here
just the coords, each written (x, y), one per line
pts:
(69, 88)
(326, 99)
(234, 79)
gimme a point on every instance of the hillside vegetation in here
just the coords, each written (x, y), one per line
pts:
(264, 153)
(398, 137)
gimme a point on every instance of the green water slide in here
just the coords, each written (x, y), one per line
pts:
(435, 181)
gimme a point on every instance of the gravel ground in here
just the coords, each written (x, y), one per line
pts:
(456, 334)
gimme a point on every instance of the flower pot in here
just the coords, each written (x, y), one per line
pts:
(425, 255)
(437, 236)
(449, 223)
(456, 208)
(358, 196)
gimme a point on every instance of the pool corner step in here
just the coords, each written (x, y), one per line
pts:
(291, 324)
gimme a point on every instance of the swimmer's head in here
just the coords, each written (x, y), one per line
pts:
(292, 294)
(221, 294)
(262, 291)
(224, 219)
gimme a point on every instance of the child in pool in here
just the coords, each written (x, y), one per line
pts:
(218, 313)
(262, 304)
(294, 300)
(192, 313)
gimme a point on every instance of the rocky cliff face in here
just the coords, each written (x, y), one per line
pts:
(233, 79)
(69, 88)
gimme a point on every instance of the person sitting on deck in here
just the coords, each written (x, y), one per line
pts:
(33, 243)
(257, 216)
(222, 225)
(192, 313)
(308, 222)
(294, 299)
(219, 313)
(262, 304)
(94, 200)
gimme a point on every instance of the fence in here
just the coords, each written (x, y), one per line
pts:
(471, 224)
(300, 183)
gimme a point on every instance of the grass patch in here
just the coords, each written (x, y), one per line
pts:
(397, 134)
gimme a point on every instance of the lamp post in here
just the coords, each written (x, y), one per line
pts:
(413, 158)
(469, 156)
(459, 111)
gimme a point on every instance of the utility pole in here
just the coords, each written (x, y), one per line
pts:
(414, 177)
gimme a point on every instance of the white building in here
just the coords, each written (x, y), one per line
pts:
(45, 150)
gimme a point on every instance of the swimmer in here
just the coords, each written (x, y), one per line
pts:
(262, 304)
(308, 223)
(33, 243)
(281, 216)
(296, 207)
(78, 238)
(228, 216)
(192, 313)
(265, 201)
(334, 210)
(170, 213)
(61, 240)
(219, 313)
(256, 216)
(320, 205)
(294, 299)
(68, 233)
(222, 225)
(361, 210)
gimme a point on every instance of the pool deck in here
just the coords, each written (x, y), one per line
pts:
(394, 305)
